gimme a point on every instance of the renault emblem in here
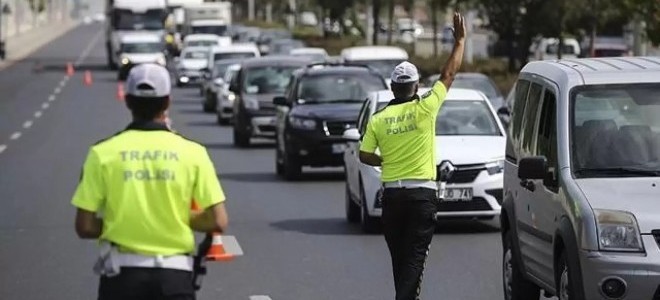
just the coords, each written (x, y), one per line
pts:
(446, 170)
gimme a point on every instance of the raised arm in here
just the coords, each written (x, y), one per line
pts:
(448, 73)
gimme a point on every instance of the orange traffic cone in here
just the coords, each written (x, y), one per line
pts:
(69, 69)
(120, 91)
(217, 251)
(87, 79)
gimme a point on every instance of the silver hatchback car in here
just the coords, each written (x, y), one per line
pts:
(581, 210)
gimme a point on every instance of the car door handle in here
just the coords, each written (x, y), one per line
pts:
(528, 185)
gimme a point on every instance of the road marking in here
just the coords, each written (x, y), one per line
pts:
(51, 98)
(3, 148)
(27, 124)
(57, 90)
(15, 136)
(45, 105)
(37, 114)
(62, 83)
(66, 78)
(260, 297)
(89, 49)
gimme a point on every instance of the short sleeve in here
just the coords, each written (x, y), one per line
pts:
(433, 99)
(369, 141)
(207, 191)
(91, 191)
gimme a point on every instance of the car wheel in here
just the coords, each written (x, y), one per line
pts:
(240, 138)
(352, 208)
(369, 224)
(208, 105)
(567, 286)
(279, 167)
(292, 167)
(516, 286)
(222, 121)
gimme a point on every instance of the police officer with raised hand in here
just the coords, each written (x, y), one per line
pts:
(404, 133)
(135, 196)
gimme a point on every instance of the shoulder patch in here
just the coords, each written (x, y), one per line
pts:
(427, 94)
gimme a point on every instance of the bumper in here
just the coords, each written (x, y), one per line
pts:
(189, 78)
(316, 150)
(640, 272)
(124, 70)
(225, 107)
(263, 126)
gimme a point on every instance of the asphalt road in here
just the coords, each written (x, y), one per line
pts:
(297, 244)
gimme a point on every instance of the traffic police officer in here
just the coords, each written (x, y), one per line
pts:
(135, 196)
(404, 132)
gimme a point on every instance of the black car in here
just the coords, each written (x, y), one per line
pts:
(322, 101)
(213, 81)
(255, 86)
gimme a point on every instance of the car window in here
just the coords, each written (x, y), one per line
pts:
(466, 118)
(141, 47)
(522, 89)
(326, 88)
(483, 85)
(195, 55)
(220, 69)
(546, 140)
(529, 118)
(267, 80)
(232, 55)
(384, 67)
(202, 43)
(616, 126)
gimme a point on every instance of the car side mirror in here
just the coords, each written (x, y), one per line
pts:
(351, 135)
(504, 111)
(532, 168)
(280, 101)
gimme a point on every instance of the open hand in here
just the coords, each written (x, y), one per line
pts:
(459, 27)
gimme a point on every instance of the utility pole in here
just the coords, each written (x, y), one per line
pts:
(639, 45)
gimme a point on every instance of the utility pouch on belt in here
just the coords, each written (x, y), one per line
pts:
(107, 263)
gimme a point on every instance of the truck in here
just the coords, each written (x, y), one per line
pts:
(177, 18)
(129, 16)
(209, 17)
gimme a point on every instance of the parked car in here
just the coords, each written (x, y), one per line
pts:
(138, 48)
(190, 65)
(284, 46)
(315, 54)
(255, 86)
(474, 81)
(469, 136)
(226, 98)
(580, 217)
(383, 59)
(322, 101)
(214, 81)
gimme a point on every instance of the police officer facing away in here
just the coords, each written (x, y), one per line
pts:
(404, 132)
(135, 196)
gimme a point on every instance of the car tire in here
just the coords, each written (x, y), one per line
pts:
(222, 121)
(567, 283)
(179, 84)
(515, 285)
(279, 166)
(292, 168)
(369, 224)
(352, 208)
(241, 139)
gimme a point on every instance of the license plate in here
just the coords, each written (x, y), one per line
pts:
(338, 148)
(455, 195)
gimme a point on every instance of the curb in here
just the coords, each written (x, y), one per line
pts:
(20, 47)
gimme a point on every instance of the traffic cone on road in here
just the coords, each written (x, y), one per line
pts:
(69, 69)
(120, 91)
(217, 251)
(87, 79)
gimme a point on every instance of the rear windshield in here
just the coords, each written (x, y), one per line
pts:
(327, 88)
(233, 55)
(141, 47)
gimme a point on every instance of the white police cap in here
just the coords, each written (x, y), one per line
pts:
(152, 75)
(405, 72)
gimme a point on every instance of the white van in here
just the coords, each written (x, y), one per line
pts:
(205, 40)
(383, 59)
(233, 51)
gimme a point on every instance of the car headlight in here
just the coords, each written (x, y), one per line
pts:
(618, 231)
(231, 97)
(161, 61)
(495, 167)
(125, 61)
(302, 123)
(251, 104)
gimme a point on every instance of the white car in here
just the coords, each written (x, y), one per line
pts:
(469, 136)
(226, 97)
(233, 51)
(140, 48)
(316, 54)
(383, 59)
(190, 65)
(205, 40)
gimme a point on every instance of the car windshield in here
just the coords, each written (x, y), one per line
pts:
(127, 20)
(616, 130)
(141, 47)
(285, 47)
(338, 87)
(202, 43)
(267, 80)
(383, 67)
(213, 29)
(483, 85)
(195, 55)
(232, 55)
(566, 49)
(220, 69)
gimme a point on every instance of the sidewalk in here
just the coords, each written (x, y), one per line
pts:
(25, 43)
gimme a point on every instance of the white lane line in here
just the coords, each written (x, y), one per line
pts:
(15, 136)
(3, 148)
(27, 124)
(57, 90)
(45, 105)
(37, 114)
(260, 297)
(89, 48)
(62, 83)
(51, 98)
(66, 79)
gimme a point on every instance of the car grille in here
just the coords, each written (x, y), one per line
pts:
(465, 173)
(338, 127)
(497, 193)
(477, 204)
(267, 128)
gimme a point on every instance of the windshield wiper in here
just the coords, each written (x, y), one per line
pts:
(633, 172)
